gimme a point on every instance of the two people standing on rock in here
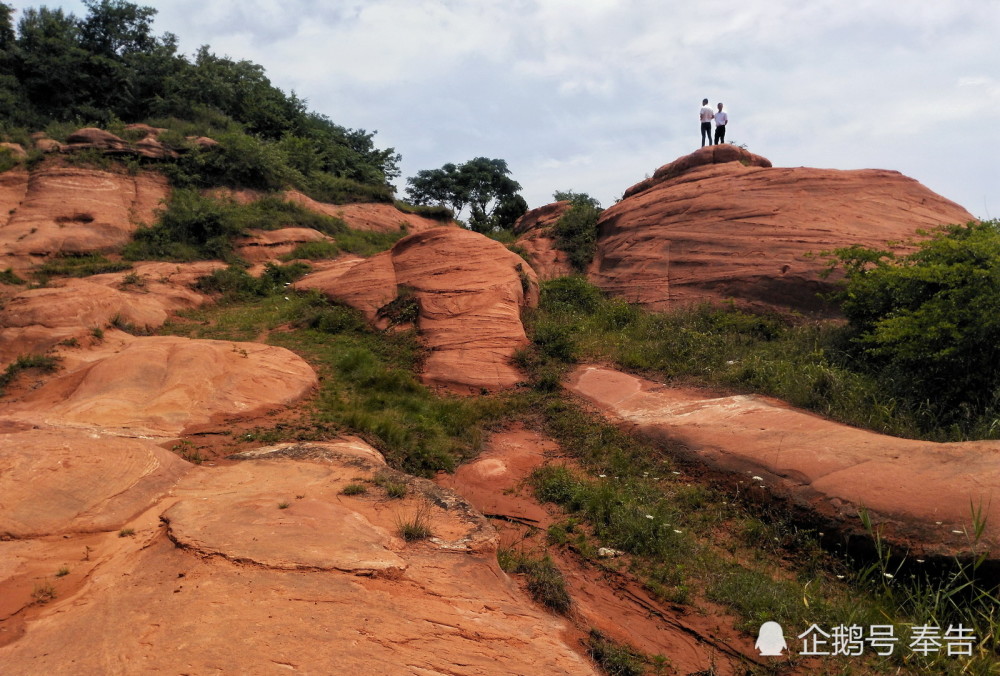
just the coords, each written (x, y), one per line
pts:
(721, 120)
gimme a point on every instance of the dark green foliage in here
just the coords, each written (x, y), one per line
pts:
(437, 212)
(195, 226)
(43, 362)
(109, 67)
(928, 323)
(544, 581)
(613, 658)
(403, 309)
(9, 277)
(576, 230)
(482, 184)
(235, 284)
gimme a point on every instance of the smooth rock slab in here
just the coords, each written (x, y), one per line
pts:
(920, 493)
(162, 385)
(58, 481)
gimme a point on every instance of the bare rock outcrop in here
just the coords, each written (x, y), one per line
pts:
(162, 385)
(34, 321)
(65, 481)
(258, 246)
(468, 291)
(373, 216)
(67, 210)
(534, 230)
(304, 579)
(707, 228)
(920, 494)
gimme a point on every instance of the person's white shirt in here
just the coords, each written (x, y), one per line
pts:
(721, 118)
(706, 114)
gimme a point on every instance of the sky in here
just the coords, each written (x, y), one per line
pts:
(595, 95)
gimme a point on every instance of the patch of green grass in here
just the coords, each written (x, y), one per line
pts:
(126, 532)
(313, 251)
(614, 658)
(417, 526)
(354, 489)
(63, 571)
(235, 284)
(393, 488)
(437, 212)
(9, 277)
(82, 265)
(45, 363)
(544, 581)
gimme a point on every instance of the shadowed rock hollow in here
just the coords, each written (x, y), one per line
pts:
(467, 292)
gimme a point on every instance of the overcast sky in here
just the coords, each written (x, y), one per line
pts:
(594, 95)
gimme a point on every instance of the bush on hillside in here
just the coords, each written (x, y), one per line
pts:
(929, 322)
(576, 230)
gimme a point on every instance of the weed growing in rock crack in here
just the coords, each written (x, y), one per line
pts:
(284, 505)
(354, 489)
(393, 488)
(62, 572)
(615, 659)
(417, 526)
(43, 592)
(544, 581)
(126, 532)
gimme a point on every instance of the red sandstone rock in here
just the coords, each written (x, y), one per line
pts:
(15, 149)
(67, 210)
(535, 236)
(375, 216)
(163, 385)
(721, 231)
(33, 321)
(919, 493)
(470, 291)
(321, 586)
(269, 245)
(60, 481)
(95, 138)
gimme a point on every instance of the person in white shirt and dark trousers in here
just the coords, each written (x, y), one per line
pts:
(721, 119)
(706, 116)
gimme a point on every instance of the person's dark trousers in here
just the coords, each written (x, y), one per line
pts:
(706, 133)
(720, 133)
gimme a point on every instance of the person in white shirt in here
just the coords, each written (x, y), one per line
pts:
(706, 123)
(721, 119)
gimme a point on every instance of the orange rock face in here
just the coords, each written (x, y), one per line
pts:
(534, 230)
(259, 246)
(470, 291)
(34, 321)
(375, 216)
(919, 493)
(66, 210)
(306, 579)
(706, 231)
(162, 385)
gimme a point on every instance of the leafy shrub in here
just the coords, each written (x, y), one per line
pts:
(576, 230)
(403, 309)
(43, 362)
(8, 276)
(234, 283)
(929, 321)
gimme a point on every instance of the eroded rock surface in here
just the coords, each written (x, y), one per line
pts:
(321, 585)
(469, 290)
(62, 481)
(374, 216)
(921, 494)
(69, 311)
(709, 231)
(161, 385)
(534, 230)
(71, 211)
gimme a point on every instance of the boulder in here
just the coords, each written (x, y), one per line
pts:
(162, 385)
(715, 231)
(15, 149)
(258, 246)
(469, 291)
(534, 230)
(92, 137)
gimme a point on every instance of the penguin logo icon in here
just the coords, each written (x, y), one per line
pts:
(770, 639)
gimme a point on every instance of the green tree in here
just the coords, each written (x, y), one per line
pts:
(482, 184)
(929, 321)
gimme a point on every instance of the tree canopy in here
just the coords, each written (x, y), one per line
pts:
(481, 184)
(109, 67)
